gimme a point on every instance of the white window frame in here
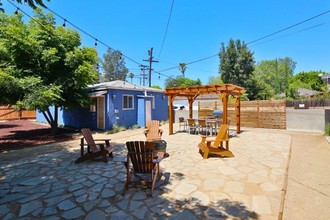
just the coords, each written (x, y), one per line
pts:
(153, 102)
(129, 108)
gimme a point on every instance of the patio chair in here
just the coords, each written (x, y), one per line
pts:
(182, 123)
(215, 146)
(153, 132)
(144, 166)
(192, 126)
(203, 127)
(94, 150)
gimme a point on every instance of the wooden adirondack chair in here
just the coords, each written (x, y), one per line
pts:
(153, 132)
(215, 146)
(144, 165)
(94, 149)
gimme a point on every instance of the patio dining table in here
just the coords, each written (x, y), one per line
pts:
(214, 124)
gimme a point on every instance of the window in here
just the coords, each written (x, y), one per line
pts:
(153, 102)
(128, 102)
(92, 107)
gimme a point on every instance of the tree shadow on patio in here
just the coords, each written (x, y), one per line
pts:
(223, 209)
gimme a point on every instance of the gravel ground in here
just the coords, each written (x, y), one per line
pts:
(26, 133)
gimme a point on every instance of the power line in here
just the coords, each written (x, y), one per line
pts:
(163, 74)
(305, 29)
(287, 28)
(19, 9)
(196, 61)
(168, 22)
(254, 41)
(91, 36)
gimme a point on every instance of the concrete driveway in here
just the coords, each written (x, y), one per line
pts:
(274, 173)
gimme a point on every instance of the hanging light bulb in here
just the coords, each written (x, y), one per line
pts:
(95, 43)
(16, 12)
(158, 75)
(64, 23)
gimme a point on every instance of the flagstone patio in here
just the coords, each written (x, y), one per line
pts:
(250, 185)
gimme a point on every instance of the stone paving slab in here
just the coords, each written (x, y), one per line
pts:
(248, 186)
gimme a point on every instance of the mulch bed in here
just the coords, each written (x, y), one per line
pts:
(24, 133)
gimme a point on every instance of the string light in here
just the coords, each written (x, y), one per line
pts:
(79, 29)
(96, 40)
(25, 2)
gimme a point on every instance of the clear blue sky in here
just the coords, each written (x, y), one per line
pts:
(197, 29)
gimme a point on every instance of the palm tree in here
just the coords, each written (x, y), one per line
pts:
(131, 75)
(182, 68)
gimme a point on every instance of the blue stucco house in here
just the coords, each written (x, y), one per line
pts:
(116, 103)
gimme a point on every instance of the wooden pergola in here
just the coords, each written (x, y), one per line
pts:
(192, 92)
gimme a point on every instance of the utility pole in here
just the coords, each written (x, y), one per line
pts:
(150, 60)
(143, 68)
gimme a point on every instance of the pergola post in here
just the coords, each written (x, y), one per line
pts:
(191, 102)
(225, 108)
(238, 114)
(170, 113)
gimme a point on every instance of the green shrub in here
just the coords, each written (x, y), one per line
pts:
(135, 126)
(327, 129)
(163, 122)
(116, 129)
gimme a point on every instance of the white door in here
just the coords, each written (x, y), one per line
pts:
(100, 112)
(148, 111)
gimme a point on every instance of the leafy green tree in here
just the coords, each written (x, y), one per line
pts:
(44, 65)
(309, 80)
(292, 91)
(31, 3)
(114, 66)
(213, 80)
(179, 81)
(8, 87)
(182, 68)
(258, 89)
(276, 73)
(236, 63)
(156, 87)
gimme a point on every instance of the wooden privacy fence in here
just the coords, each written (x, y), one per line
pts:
(257, 114)
(7, 112)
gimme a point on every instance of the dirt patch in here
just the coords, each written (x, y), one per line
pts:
(24, 134)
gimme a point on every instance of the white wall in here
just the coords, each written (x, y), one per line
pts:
(309, 120)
